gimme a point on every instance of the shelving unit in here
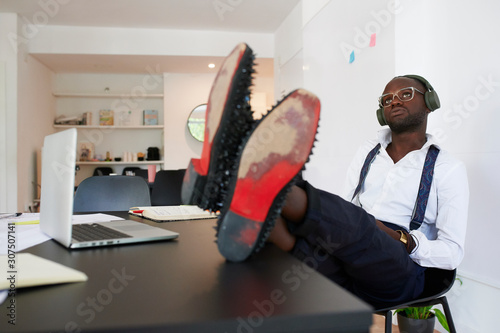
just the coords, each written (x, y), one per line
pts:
(120, 163)
(105, 95)
(109, 127)
(127, 95)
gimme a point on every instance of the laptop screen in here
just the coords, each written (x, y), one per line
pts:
(57, 184)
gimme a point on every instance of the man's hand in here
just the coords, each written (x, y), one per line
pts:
(410, 245)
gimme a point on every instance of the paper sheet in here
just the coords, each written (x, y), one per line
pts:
(27, 270)
(28, 232)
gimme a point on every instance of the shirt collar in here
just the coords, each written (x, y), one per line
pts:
(384, 137)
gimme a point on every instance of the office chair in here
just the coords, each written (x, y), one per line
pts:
(167, 188)
(102, 171)
(112, 193)
(437, 283)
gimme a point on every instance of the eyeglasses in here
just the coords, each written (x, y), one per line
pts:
(404, 95)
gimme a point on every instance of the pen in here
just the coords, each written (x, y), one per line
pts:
(6, 216)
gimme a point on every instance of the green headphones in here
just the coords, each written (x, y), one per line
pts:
(430, 97)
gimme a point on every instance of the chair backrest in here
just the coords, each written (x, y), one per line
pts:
(167, 188)
(102, 171)
(111, 193)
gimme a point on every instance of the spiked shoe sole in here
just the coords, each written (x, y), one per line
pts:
(228, 119)
(274, 153)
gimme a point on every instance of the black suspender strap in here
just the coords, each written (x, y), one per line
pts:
(366, 167)
(424, 187)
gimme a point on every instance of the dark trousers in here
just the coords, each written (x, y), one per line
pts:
(343, 242)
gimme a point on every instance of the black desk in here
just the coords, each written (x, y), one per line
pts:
(185, 286)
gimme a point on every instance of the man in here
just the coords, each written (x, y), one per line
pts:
(381, 262)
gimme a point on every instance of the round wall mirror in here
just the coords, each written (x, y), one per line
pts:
(196, 122)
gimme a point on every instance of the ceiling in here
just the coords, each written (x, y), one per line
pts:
(258, 16)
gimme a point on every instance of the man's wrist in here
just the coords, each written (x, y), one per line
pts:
(407, 239)
(403, 238)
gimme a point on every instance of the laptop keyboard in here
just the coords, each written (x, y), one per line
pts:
(91, 232)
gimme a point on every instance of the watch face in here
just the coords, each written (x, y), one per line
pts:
(403, 237)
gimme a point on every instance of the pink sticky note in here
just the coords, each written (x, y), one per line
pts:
(373, 39)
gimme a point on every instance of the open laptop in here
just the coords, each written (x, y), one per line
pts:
(56, 209)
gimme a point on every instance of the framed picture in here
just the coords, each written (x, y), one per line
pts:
(86, 151)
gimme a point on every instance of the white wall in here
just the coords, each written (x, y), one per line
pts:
(8, 115)
(95, 40)
(182, 93)
(453, 44)
(348, 91)
(35, 118)
(288, 54)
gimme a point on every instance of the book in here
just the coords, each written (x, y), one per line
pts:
(172, 213)
(150, 117)
(32, 270)
(106, 118)
(87, 118)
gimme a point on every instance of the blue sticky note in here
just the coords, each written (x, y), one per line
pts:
(351, 58)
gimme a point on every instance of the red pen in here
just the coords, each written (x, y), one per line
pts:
(137, 211)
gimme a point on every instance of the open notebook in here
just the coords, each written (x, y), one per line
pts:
(172, 213)
(56, 209)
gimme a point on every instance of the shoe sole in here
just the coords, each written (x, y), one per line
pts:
(271, 158)
(228, 120)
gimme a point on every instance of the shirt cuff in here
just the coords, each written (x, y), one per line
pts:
(422, 248)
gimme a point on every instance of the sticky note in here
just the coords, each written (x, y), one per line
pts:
(351, 57)
(373, 40)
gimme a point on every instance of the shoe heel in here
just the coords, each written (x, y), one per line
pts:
(193, 184)
(237, 236)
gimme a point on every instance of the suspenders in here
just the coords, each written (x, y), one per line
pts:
(424, 187)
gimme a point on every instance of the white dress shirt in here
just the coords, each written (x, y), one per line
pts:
(390, 192)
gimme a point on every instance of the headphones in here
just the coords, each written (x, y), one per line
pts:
(430, 97)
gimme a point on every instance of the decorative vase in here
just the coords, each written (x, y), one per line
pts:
(408, 325)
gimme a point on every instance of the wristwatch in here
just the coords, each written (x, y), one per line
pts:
(403, 238)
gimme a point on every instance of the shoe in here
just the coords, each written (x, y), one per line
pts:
(270, 159)
(228, 120)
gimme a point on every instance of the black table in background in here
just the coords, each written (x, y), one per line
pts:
(184, 285)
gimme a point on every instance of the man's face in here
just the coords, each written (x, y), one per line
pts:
(406, 116)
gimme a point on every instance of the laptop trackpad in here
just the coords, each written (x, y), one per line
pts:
(138, 229)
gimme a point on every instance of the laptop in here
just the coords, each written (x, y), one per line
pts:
(56, 209)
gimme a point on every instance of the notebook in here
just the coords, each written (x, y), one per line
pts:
(172, 213)
(56, 209)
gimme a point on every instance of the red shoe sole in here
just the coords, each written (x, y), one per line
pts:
(228, 119)
(274, 154)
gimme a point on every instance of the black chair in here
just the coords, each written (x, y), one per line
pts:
(167, 188)
(112, 193)
(437, 283)
(103, 171)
